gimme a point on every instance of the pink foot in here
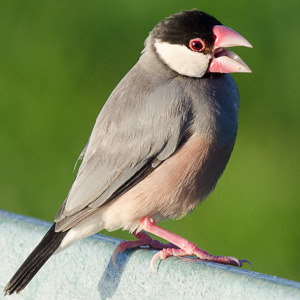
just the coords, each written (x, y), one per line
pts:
(184, 247)
(144, 239)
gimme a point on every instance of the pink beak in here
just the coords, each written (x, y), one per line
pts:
(224, 60)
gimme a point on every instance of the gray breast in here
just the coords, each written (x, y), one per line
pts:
(215, 104)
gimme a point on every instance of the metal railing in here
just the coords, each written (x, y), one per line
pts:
(85, 271)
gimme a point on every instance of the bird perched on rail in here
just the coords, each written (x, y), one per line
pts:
(159, 145)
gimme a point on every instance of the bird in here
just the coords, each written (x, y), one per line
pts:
(159, 144)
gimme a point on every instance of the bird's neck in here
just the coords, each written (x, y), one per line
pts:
(151, 62)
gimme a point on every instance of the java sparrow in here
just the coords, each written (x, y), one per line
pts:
(159, 144)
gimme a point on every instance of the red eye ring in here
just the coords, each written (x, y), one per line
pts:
(197, 45)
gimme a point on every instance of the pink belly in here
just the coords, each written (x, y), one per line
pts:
(174, 188)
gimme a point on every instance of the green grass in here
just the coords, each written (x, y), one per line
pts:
(60, 60)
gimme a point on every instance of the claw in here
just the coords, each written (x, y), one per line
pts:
(154, 258)
(117, 250)
(235, 262)
(163, 254)
(243, 261)
(239, 262)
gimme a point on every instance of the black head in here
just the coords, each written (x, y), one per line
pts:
(193, 43)
(180, 28)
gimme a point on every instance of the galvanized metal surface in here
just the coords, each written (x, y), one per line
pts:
(85, 271)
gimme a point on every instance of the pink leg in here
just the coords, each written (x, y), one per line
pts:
(144, 239)
(184, 247)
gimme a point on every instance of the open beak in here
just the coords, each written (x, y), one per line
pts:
(224, 60)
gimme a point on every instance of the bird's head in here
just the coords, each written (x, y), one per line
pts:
(193, 43)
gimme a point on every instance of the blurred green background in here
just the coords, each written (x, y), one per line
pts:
(60, 60)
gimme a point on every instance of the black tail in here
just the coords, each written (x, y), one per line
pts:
(35, 261)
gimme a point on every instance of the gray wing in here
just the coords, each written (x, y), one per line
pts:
(141, 124)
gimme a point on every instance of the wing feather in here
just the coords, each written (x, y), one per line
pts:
(139, 126)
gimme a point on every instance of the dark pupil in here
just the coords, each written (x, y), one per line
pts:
(197, 45)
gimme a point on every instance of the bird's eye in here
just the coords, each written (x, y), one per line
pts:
(197, 45)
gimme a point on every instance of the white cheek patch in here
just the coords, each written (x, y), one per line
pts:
(183, 60)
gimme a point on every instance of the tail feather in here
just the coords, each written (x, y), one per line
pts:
(35, 261)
